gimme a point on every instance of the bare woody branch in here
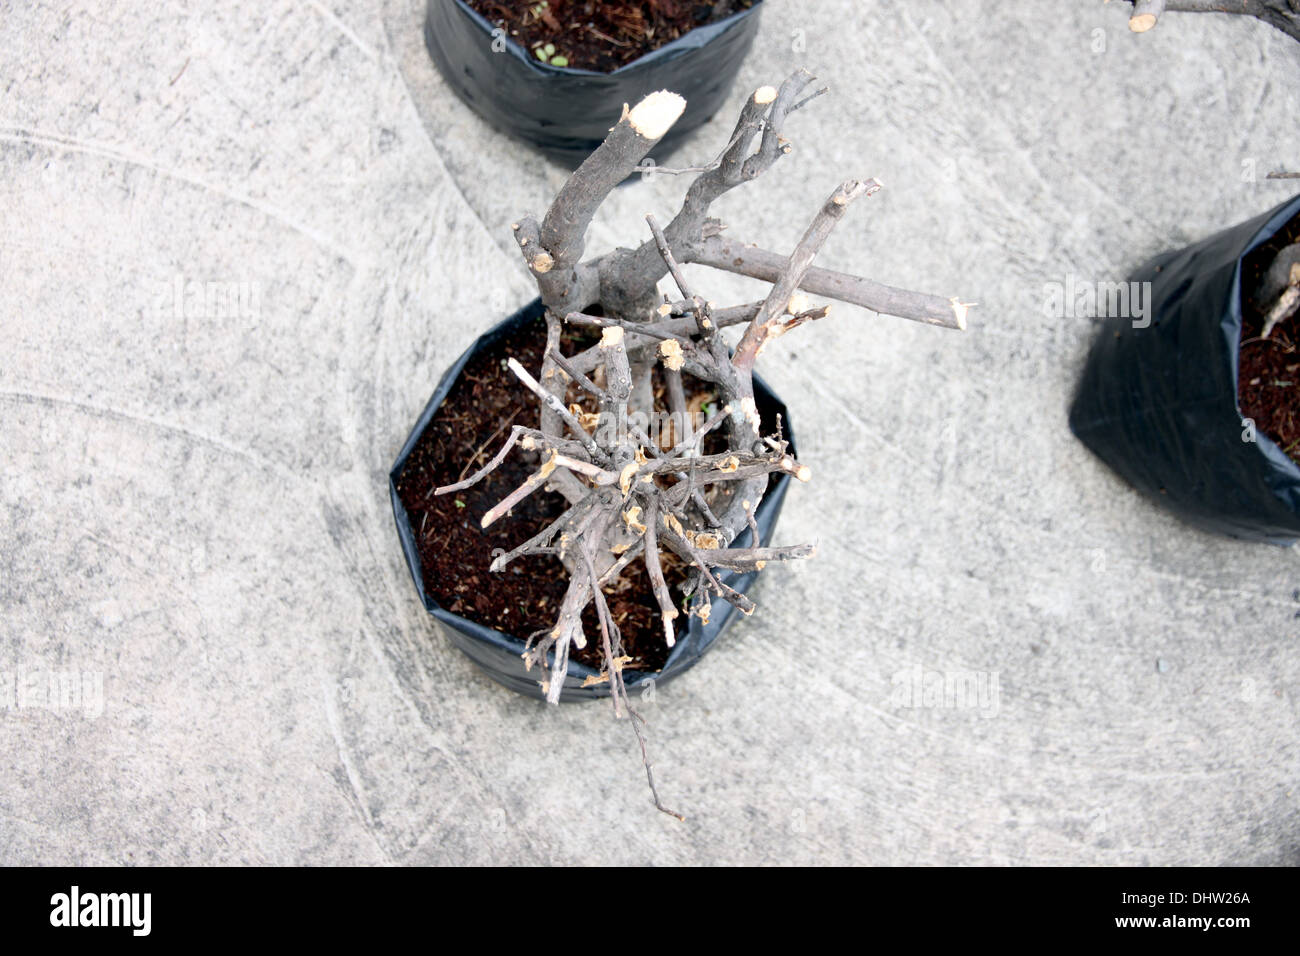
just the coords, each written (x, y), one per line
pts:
(531, 484)
(553, 249)
(628, 277)
(754, 559)
(667, 609)
(487, 469)
(557, 407)
(1282, 14)
(540, 542)
(628, 497)
(1278, 294)
(731, 256)
(764, 324)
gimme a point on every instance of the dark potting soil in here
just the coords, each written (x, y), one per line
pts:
(600, 36)
(1268, 383)
(466, 431)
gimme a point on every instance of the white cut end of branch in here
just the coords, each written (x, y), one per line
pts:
(612, 337)
(1142, 22)
(542, 262)
(520, 372)
(959, 310)
(656, 114)
(764, 95)
(669, 637)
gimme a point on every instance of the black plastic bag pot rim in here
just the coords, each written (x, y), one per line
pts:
(566, 111)
(676, 48)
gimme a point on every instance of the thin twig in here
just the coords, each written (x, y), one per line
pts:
(764, 325)
(486, 469)
(618, 690)
(490, 439)
(557, 406)
(576, 375)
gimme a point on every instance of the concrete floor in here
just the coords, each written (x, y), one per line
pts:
(194, 510)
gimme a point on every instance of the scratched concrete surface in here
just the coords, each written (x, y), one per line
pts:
(195, 505)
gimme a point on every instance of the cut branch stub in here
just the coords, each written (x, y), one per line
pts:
(1145, 14)
(635, 134)
(562, 233)
(528, 235)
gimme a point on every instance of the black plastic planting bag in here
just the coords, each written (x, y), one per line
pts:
(1159, 404)
(501, 654)
(567, 112)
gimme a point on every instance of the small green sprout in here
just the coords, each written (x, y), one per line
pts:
(546, 53)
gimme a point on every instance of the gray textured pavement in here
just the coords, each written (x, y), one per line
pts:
(195, 508)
